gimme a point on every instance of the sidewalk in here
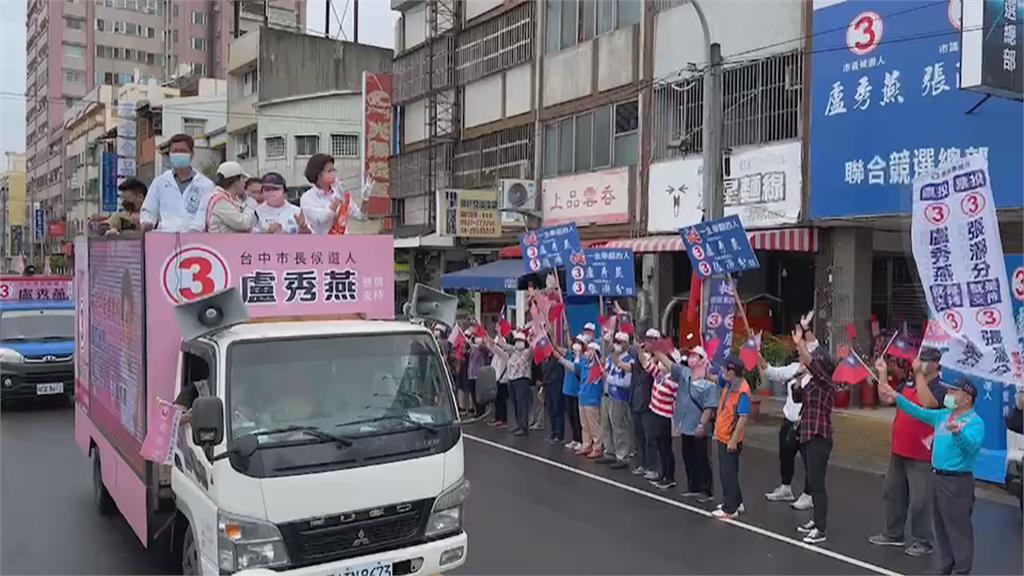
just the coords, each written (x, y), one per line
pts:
(862, 440)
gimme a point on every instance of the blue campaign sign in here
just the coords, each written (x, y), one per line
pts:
(607, 272)
(719, 321)
(38, 224)
(719, 247)
(109, 183)
(885, 107)
(552, 247)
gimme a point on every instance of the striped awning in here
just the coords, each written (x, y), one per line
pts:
(785, 240)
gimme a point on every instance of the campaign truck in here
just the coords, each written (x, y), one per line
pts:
(249, 402)
(37, 337)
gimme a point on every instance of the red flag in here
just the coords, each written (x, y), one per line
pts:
(457, 339)
(627, 327)
(875, 328)
(693, 305)
(542, 349)
(663, 345)
(934, 335)
(902, 349)
(711, 347)
(750, 352)
(849, 370)
(851, 331)
(504, 327)
(480, 331)
(596, 371)
(555, 313)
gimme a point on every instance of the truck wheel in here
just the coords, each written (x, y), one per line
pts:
(189, 553)
(100, 495)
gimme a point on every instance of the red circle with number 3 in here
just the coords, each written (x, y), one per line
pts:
(954, 321)
(936, 213)
(1017, 284)
(989, 317)
(194, 272)
(864, 33)
(972, 204)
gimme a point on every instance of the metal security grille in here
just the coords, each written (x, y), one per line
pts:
(761, 105)
(483, 161)
(496, 44)
(410, 70)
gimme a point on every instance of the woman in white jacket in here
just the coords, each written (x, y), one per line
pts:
(326, 209)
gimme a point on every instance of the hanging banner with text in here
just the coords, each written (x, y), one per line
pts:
(719, 321)
(552, 247)
(607, 272)
(719, 247)
(959, 258)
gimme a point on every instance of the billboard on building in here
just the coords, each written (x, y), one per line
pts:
(108, 194)
(468, 213)
(885, 107)
(991, 57)
(375, 151)
(588, 198)
(126, 144)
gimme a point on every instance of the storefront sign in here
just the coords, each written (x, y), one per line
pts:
(56, 229)
(469, 214)
(884, 112)
(376, 144)
(551, 248)
(992, 59)
(607, 272)
(591, 198)
(719, 247)
(28, 288)
(108, 194)
(959, 257)
(763, 187)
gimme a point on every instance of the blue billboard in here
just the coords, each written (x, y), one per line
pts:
(885, 106)
(108, 193)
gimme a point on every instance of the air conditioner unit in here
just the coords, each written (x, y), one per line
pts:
(518, 197)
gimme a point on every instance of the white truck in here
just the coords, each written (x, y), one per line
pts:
(317, 442)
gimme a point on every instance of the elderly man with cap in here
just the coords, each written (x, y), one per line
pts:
(589, 332)
(908, 481)
(696, 400)
(959, 432)
(730, 425)
(616, 423)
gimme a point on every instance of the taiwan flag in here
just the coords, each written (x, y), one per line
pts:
(458, 340)
(935, 336)
(542, 349)
(849, 370)
(504, 327)
(595, 373)
(750, 352)
(902, 349)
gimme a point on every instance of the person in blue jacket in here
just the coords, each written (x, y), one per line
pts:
(959, 432)
(571, 391)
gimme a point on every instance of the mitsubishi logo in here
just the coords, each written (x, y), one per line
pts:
(362, 540)
(49, 358)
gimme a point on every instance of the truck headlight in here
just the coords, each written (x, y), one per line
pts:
(248, 543)
(446, 515)
(9, 356)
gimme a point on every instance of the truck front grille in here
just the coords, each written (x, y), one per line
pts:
(369, 531)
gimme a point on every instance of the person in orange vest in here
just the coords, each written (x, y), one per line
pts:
(730, 424)
(227, 210)
(327, 209)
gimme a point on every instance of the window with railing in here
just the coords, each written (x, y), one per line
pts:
(483, 161)
(496, 44)
(345, 145)
(276, 147)
(761, 104)
(194, 127)
(306, 145)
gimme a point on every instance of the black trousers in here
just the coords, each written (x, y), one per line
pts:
(816, 453)
(572, 413)
(553, 403)
(471, 392)
(660, 430)
(501, 403)
(646, 451)
(522, 392)
(789, 447)
(953, 503)
(697, 459)
(729, 471)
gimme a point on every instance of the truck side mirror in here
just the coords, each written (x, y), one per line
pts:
(486, 385)
(207, 421)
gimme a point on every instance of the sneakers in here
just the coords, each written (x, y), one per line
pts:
(638, 471)
(886, 540)
(804, 502)
(781, 494)
(652, 475)
(723, 515)
(806, 528)
(605, 459)
(690, 494)
(815, 536)
(918, 549)
(664, 484)
(619, 465)
(521, 432)
(571, 445)
(705, 498)
(741, 509)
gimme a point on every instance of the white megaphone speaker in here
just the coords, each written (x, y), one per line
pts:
(434, 305)
(205, 316)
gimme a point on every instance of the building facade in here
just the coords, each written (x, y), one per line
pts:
(13, 212)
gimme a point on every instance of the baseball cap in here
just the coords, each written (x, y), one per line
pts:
(517, 335)
(273, 179)
(590, 326)
(734, 363)
(622, 337)
(594, 346)
(230, 169)
(699, 351)
(652, 334)
(928, 354)
(965, 385)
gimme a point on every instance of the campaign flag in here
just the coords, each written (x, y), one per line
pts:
(628, 327)
(851, 331)
(719, 247)
(934, 336)
(457, 339)
(959, 257)
(849, 370)
(551, 247)
(595, 373)
(555, 313)
(162, 433)
(719, 320)
(542, 348)
(480, 331)
(504, 327)
(902, 349)
(693, 304)
(750, 352)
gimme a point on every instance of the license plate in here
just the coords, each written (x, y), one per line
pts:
(47, 389)
(375, 569)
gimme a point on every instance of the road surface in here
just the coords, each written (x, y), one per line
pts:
(534, 509)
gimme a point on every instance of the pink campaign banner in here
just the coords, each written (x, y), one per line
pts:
(29, 288)
(161, 437)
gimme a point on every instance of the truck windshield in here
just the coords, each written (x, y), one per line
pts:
(359, 385)
(26, 325)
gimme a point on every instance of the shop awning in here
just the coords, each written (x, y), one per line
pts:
(785, 240)
(498, 276)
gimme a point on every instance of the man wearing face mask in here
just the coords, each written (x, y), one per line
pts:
(908, 481)
(696, 401)
(571, 391)
(276, 215)
(133, 193)
(616, 419)
(959, 432)
(795, 376)
(178, 198)
(519, 369)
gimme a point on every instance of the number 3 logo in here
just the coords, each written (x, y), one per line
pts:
(5, 291)
(194, 272)
(864, 33)
(936, 213)
(972, 204)
(954, 321)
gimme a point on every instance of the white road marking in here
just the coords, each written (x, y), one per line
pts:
(700, 511)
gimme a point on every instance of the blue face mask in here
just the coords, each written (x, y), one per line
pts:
(180, 159)
(949, 402)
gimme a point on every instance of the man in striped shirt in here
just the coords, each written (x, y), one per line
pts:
(666, 375)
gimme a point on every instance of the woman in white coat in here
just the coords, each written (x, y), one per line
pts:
(326, 209)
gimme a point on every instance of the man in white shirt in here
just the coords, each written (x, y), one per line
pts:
(177, 199)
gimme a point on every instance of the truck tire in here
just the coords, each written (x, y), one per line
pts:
(189, 553)
(101, 497)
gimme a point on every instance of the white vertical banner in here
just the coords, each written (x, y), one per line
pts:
(960, 260)
(126, 140)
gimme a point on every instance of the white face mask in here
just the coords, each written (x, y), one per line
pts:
(577, 348)
(619, 348)
(520, 345)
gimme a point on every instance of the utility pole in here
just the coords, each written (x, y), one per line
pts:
(711, 136)
(355, 21)
(327, 19)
